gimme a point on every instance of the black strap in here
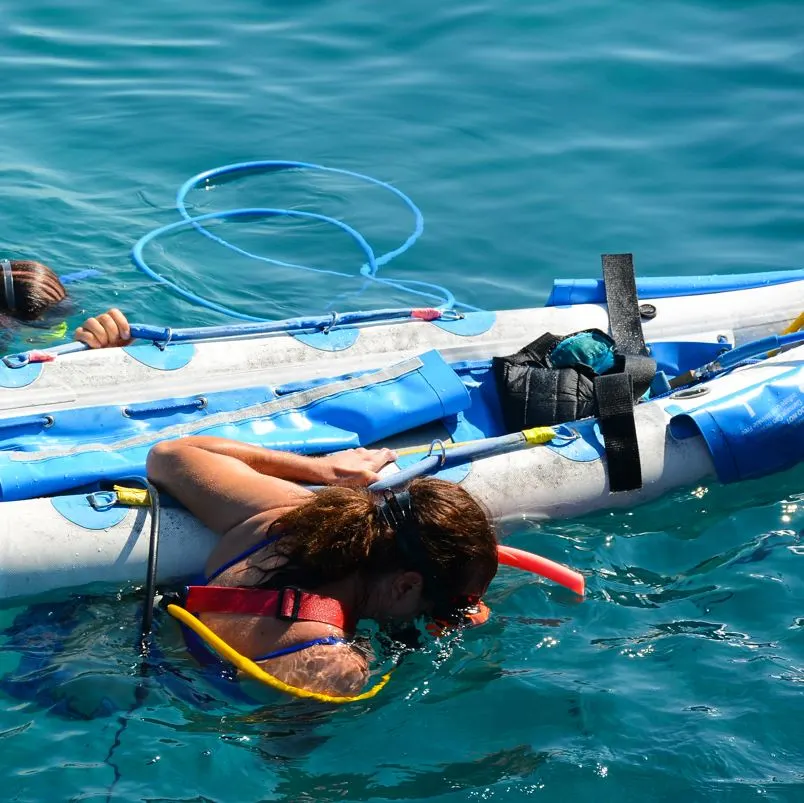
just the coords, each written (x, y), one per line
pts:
(615, 403)
(640, 368)
(621, 299)
(618, 391)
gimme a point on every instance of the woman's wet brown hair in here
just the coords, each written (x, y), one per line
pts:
(36, 289)
(341, 532)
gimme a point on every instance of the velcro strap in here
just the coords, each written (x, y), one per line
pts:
(640, 369)
(615, 400)
(617, 393)
(621, 299)
(289, 604)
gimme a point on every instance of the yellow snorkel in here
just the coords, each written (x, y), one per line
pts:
(255, 672)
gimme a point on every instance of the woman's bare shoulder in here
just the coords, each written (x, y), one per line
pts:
(336, 669)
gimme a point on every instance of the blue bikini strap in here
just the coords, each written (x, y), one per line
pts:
(303, 646)
(242, 556)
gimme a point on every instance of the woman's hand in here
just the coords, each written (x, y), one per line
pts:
(105, 331)
(356, 468)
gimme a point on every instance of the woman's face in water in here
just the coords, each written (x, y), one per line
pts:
(51, 326)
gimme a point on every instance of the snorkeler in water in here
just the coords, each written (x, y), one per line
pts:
(29, 289)
(295, 570)
(33, 294)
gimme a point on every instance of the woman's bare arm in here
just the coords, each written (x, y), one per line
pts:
(225, 483)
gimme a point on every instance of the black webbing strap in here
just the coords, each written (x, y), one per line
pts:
(616, 393)
(621, 299)
(640, 368)
(615, 405)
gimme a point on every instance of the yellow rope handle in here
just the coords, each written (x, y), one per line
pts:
(423, 449)
(248, 667)
(797, 324)
(135, 497)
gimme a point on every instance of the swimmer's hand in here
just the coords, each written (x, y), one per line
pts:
(356, 468)
(105, 331)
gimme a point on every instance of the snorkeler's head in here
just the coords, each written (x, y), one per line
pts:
(429, 550)
(28, 289)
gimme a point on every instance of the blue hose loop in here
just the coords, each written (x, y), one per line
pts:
(368, 270)
(446, 301)
(195, 222)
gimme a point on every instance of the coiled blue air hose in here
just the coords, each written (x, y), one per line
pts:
(369, 269)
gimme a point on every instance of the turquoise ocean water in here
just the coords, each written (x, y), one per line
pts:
(534, 137)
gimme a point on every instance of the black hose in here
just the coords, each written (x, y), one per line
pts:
(150, 576)
(145, 628)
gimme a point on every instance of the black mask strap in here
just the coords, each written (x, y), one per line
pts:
(396, 511)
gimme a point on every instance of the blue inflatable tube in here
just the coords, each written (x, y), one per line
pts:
(566, 292)
(77, 448)
(757, 431)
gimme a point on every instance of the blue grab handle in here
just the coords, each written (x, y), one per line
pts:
(168, 405)
(164, 334)
(43, 421)
(404, 476)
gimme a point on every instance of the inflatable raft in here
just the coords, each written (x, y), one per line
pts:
(73, 424)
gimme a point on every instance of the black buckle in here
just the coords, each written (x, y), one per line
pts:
(293, 616)
(173, 598)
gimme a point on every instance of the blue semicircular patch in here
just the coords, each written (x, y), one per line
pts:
(171, 358)
(19, 377)
(77, 509)
(586, 448)
(472, 323)
(335, 340)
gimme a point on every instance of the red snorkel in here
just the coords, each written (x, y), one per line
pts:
(395, 511)
(519, 559)
(477, 612)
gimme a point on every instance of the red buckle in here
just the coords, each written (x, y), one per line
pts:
(295, 605)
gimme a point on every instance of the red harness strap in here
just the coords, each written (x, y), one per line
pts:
(290, 604)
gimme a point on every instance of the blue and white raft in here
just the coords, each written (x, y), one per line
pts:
(72, 426)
